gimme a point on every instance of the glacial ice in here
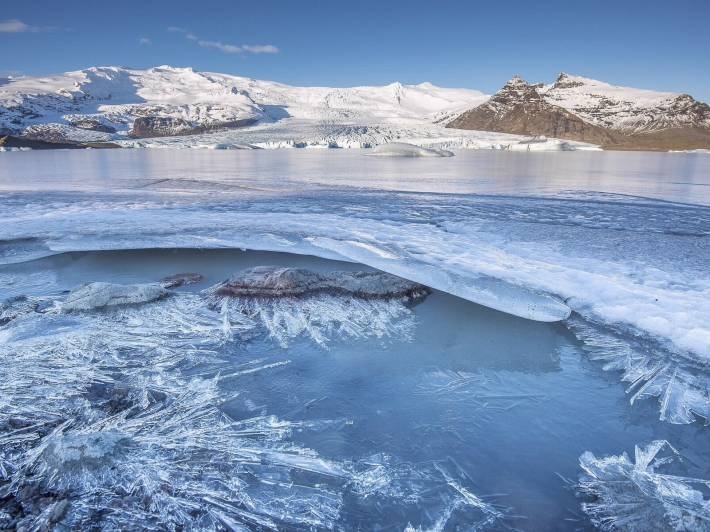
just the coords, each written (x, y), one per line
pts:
(634, 495)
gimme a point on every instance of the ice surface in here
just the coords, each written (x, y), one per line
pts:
(634, 495)
(161, 380)
(617, 259)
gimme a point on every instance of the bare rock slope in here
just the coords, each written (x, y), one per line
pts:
(583, 109)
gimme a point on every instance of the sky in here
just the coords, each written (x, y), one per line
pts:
(663, 45)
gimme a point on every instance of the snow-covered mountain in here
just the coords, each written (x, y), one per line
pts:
(625, 109)
(110, 103)
(578, 108)
(167, 106)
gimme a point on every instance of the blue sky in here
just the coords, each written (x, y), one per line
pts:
(654, 44)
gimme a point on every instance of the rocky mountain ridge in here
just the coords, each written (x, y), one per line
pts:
(587, 110)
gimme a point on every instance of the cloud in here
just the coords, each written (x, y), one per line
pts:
(222, 47)
(261, 49)
(226, 47)
(144, 41)
(243, 49)
(17, 26)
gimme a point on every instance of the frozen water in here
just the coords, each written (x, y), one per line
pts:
(336, 411)
(155, 395)
(129, 423)
(635, 495)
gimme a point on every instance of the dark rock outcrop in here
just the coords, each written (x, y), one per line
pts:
(12, 141)
(518, 108)
(160, 126)
(276, 282)
(167, 126)
(92, 125)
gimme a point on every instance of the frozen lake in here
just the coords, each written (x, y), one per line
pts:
(569, 314)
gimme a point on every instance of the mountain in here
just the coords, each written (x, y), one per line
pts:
(104, 104)
(520, 108)
(583, 109)
(167, 106)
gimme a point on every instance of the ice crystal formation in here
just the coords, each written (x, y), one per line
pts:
(636, 495)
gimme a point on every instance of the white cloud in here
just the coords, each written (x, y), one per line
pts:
(261, 49)
(222, 47)
(17, 26)
(225, 47)
(243, 49)
(144, 41)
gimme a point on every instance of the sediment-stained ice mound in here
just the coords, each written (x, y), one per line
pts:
(403, 149)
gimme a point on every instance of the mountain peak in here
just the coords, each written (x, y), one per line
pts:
(516, 81)
(567, 81)
(516, 91)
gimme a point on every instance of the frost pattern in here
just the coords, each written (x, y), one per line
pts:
(635, 496)
(681, 386)
(114, 417)
(321, 318)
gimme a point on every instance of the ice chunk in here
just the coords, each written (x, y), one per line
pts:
(633, 495)
(403, 149)
(482, 289)
(98, 295)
